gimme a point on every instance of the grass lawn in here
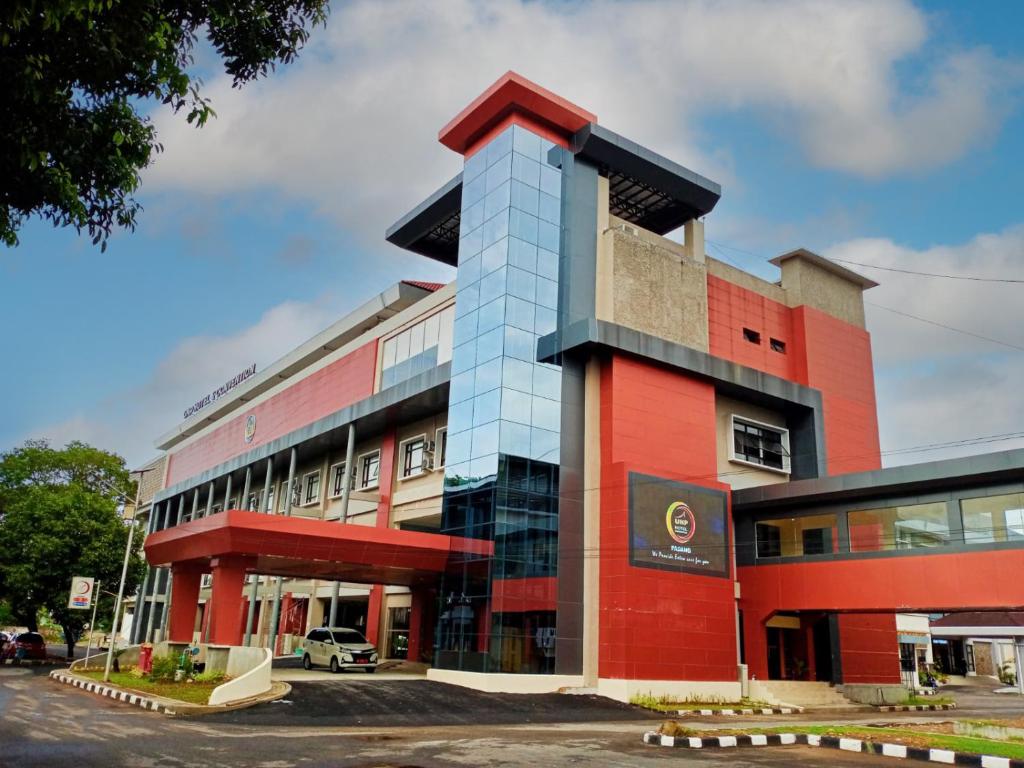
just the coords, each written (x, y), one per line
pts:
(890, 735)
(193, 693)
(923, 700)
(662, 704)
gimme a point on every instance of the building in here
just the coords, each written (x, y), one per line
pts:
(979, 643)
(598, 458)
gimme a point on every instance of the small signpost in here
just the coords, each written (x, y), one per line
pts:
(81, 593)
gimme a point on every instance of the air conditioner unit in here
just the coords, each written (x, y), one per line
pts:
(428, 455)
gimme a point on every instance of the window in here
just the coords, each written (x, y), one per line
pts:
(233, 503)
(413, 453)
(337, 475)
(752, 336)
(760, 444)
(311, 488)
(418, 348)
(991, 519)
(369, 470)
(777, 345)
(797, 536)
(914, 526)
(440, 448)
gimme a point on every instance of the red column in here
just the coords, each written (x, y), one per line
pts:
(386, 479)
(419, 622)
(182, 620)
(226, 603)
(373, 609)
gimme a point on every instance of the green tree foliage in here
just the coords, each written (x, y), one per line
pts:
(76, 74)
(61, 516)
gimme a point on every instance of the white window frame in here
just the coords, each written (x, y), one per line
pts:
(786, 465)
(303, 492)
(416, 472)
(438, 455)
(330, 479)
(233, 503)
(359, 465)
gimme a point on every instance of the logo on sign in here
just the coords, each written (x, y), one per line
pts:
(680, 522)
(81, 592)
(250, 428)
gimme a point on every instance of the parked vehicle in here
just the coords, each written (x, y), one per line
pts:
(338, 648)
(26, 645)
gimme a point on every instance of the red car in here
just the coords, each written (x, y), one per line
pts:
(27, 645)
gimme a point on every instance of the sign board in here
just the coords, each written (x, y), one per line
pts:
(220, 391)
(676, 526)
(81, 592)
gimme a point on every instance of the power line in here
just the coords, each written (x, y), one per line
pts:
(937, 324)
(974, 278)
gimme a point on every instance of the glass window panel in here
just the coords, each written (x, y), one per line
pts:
(494, 256)
(473, 217)
(522, 254)
(547, 293)
(444, 335)
(991, 519)
(464, 357)
(464, 328)
(544, 445)
(526, 170)
(475, 165)
(474, 191)
(914, 526)
(518, 374)
(519, 313)
(525, 142)
(485, 439)
(469, 269)
(492, 286)
(459, 445)
(460, 416)
(488, 376)
(547, 382)
(547, 235)
(499, 173)
(495, 228)
(467, 299)
(489, 345)
(500, 146)
(520, 344)
(550, 208)
(492, 315)
(461, 387)
(551, 181)
(523, 225)
(547, 414)
(515, 439)
(486, 407)
(416, 340)
(515, 406)
(498, 200)
(797, 536)
(402, 347)
(547, 264)
(546, 321)
(525, 197)
(430, 330)
(481, 467)
(388, 357)
(549, 153)
(522, 284)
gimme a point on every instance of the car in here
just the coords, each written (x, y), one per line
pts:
(26, 645)
(338, 648)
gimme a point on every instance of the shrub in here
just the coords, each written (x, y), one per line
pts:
(213, 676)
(163, 668)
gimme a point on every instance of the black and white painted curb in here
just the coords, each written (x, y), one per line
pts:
(30, 662)
(747, 711)
(944, 756)
(117, 694)
(916, 707)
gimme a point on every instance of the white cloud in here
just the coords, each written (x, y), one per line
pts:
(351, 127)
(936, 385)
(130, 420)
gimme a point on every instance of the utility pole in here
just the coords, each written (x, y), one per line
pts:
(92, 621)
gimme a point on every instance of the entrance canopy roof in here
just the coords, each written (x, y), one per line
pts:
(303, 548)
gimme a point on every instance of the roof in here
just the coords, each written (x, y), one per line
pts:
(981, 619)
(512, 93)
(432, 228)
(827, 265)
(425, 285)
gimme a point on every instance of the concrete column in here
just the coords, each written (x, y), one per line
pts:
(374, 609)
(186, 600)
(422, 607)
(195, 505)
(693, 232)
(244, 501)
(264, 503)
(181, 508)
(253, 597)
(209, 501)
(275, 620)
(225, 604)
(227, 495)
(291, 481)
(154, 588)
(350, 454)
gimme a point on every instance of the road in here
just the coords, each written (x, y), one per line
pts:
(46, 724)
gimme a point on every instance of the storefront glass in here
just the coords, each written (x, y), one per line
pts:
(894, 528)
(991, 519)
(797, 536)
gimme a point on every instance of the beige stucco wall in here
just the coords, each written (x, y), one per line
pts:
(732, 473)
(809, 284)
(746, 280)
(655, 287)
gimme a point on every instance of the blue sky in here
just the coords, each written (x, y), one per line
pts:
(883, 132)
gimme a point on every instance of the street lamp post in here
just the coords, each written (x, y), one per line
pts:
(124, 575)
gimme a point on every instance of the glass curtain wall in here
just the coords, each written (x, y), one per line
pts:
(501, 477)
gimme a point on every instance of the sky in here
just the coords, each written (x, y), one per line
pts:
(883, 133)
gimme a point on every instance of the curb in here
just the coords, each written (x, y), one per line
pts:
(754, 711)
(916, 707)
(944, 756)
(117, 694)
(30, 662)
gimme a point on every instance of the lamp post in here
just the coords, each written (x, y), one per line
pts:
(124, 575)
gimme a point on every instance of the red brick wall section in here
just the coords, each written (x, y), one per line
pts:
(731, 309)
(869, 648)
(655, 624)
(330, 389)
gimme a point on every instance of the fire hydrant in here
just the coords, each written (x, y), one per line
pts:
(146, 658)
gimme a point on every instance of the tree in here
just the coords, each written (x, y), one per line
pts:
(76, 73)
(60, 516)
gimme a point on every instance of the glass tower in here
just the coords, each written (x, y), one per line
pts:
(504, 412)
